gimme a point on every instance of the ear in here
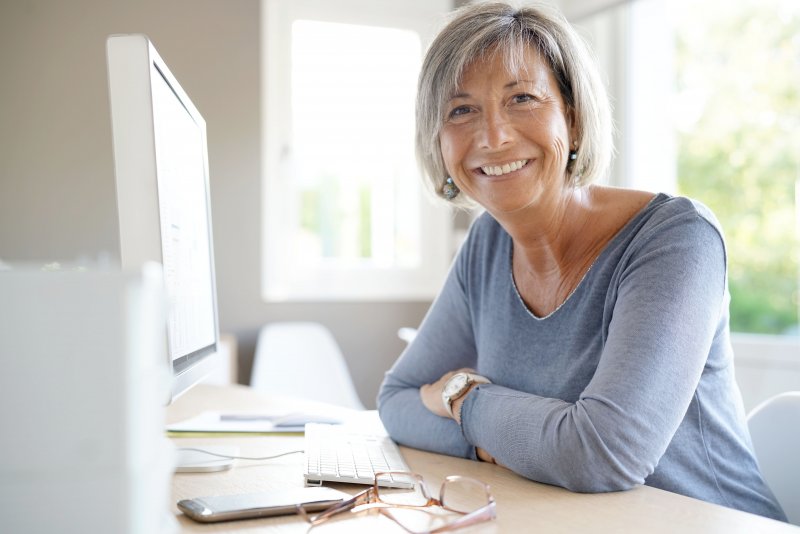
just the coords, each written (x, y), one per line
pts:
(572, 123)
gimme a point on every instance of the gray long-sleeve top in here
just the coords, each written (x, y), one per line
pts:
(630, 381)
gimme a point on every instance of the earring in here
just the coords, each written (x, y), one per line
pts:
(571, 157)
(450, 190)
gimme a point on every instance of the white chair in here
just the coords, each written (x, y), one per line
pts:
(775, 429)
(407, 334)
(302, 359)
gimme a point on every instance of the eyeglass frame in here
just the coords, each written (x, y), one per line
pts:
(370, 499)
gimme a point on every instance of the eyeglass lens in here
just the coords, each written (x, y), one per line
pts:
(462, 495)
(413, 494)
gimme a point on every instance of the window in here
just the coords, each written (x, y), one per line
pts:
(708, 106)
(345, 216)
(738, 113)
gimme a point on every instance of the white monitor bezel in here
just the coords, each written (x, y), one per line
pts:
(133, 62)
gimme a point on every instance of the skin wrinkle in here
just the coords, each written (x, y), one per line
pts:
(500, 124)
(560, 260)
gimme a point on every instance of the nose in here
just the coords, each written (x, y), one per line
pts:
(496, 130)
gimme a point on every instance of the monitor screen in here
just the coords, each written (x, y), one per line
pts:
(161, 168)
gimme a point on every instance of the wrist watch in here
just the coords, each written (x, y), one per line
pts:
(457, 386)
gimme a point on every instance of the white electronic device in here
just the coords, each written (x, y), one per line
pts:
(164, 205)
(163, 199)
(81, 404)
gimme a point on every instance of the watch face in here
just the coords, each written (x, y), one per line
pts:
(455, 384)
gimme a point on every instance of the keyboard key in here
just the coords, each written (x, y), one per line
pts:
(335, 454)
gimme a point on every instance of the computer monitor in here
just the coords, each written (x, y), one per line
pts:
(161, 166)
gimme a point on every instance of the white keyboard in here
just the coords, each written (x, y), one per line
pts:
(335, 453)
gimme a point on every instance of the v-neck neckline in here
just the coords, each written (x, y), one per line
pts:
(603, 252)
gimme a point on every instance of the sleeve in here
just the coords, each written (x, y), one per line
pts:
(444, 342)
(670, 297)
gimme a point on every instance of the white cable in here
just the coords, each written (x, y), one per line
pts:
(238, 457)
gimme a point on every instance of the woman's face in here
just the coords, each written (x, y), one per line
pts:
(505, 138)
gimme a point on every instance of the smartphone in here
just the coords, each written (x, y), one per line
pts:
(249, 505)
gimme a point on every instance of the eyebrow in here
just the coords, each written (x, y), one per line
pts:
(506, 86)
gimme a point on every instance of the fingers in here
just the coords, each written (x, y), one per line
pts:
(484, 456)
(431, 394)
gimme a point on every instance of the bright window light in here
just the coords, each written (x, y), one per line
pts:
(353, 156)
(346, 217)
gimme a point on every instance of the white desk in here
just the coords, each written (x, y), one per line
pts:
(522, 505)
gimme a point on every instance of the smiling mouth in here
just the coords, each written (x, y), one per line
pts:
(499, 170)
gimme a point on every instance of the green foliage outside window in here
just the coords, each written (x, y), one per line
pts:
(738, 70)
(322, 216)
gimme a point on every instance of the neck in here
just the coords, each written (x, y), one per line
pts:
(548, 237)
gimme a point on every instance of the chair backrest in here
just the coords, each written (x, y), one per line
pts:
(302, 359)
(775, 429)
(407, 334)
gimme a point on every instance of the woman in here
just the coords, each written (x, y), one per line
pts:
(581, 338)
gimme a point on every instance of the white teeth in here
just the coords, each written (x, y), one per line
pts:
(497, 170)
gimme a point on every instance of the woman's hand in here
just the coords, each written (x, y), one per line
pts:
(484, 456)
(431, 394)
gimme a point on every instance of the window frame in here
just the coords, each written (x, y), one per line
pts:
(282, 280)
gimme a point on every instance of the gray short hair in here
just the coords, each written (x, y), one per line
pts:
(485, 28)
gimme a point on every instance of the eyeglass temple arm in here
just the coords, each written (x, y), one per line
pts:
(480, 515)
(364, 497)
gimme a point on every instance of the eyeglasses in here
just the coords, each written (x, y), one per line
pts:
(462, 501)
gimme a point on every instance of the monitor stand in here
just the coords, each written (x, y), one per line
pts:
(189, 460)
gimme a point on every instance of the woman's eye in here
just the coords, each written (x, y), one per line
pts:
(523, 98)
(458, 112)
